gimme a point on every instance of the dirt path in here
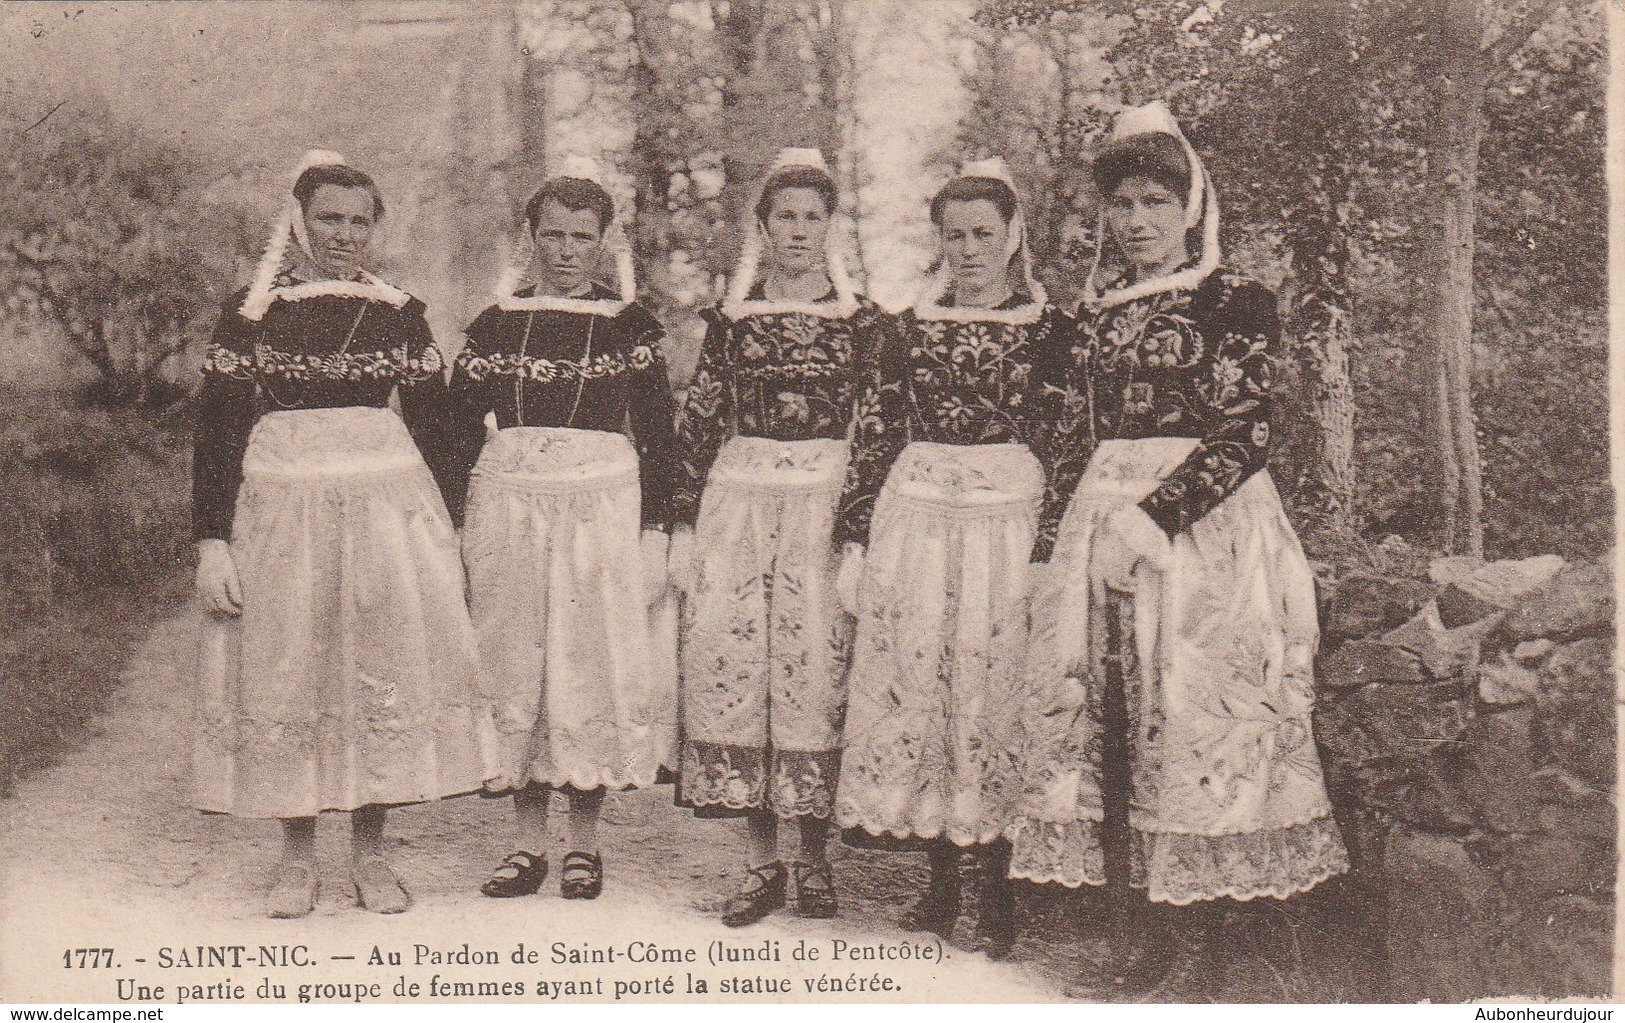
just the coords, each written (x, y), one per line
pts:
(102, 851)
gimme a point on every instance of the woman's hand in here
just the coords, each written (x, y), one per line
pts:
(680, 559)
(1143, 535)
(654, 547)
(1128, 537)
(217, 587)
(847, 578)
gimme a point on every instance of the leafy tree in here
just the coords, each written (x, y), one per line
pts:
(1265, 90)
(1037, 105)
(103, 236)
(1468, 43)
(1351, 133)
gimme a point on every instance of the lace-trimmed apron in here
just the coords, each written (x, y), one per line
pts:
(1225, 786)
(349, 678)
(765, 642)
(585, 695)
(940, 637)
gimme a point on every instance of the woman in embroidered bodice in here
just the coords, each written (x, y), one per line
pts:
(1173, 636)
(337, 667)
(939, 519)
(763, 433)
(565, 538)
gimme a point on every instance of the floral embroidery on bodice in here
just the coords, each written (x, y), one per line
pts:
(325, 338)
(314, 346)
(579, 367)
(785, 375)
(953, 381)
(1185, 363)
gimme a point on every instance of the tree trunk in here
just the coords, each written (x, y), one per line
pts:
(1319, 324)
(751, 103)
(842, 71)
(1453, 173)
(741, 23)
(530, 102)
(1319, 321)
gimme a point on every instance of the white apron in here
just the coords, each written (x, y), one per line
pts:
(1227, 797)
(349, 678)
(940, 638)
(581, 673)
(765, 644)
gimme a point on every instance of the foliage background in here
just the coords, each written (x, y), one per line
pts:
(144, 149)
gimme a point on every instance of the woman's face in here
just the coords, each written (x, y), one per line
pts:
(796, 226)
(1147, 221)
(973, 237)
(568, 244)
(339, 223)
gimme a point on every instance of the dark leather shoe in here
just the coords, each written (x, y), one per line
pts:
(936, 911)
(581, 876)
(815, 890)
(762, 894)
(522, 873)
(995, 938)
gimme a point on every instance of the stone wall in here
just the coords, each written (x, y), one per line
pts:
(1467, 726)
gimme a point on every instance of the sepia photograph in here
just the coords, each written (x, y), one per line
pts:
(807, 501)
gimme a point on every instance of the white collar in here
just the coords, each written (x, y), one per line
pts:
(534, 303)
(842, 305)
(1187, 279)
(368, 287)
(929, 307)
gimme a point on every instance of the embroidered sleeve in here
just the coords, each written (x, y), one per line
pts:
(230, 352)
(468, 398)
(425, 406)
(879, 432)
(704, 419)
(1234, 393)
(653, 430)
(1063, 434)
(226, 413)
(423, 360)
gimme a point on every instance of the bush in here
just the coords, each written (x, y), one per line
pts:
(1543, 421)
(108, 249)
(89, 497)
(94, 510)
(106, 238)
(1541, 395)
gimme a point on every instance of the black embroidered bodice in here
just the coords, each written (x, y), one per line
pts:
(979, 381)
(1185, 363)
(321, 351)
(587, 370)
(783, 374)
